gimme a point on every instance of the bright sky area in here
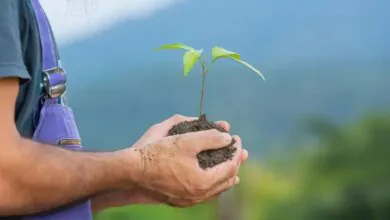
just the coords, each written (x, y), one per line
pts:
(74, 20)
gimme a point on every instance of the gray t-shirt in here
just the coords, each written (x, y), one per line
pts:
(20, 56)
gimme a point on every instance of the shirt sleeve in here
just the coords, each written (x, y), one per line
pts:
(11, 58)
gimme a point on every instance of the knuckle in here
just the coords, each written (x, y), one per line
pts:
(154, 127)
(237, 139)
(187, 141)
(224, 124)
(238, 148)
(219, 137)
(177, 140)
(199, 190)
(232, 169)
(177, 117)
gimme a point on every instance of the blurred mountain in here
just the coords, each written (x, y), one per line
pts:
(324, 58)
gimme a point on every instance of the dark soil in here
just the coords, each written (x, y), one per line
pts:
(208, 158)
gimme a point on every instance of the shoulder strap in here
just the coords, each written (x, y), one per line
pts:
(54, 76)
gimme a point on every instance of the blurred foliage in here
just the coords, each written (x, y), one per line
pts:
(343, 175)
(157, 212)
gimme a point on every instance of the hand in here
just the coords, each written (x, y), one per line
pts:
(170, 170)
(140, 195)
(144, 196)
(160, 130)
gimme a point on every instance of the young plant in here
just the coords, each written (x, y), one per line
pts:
(191, 57)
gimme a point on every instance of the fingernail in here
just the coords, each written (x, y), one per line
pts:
(237, 180)
(227, 138)
(244, 155)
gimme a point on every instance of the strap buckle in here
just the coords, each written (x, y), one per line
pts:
(54, 82)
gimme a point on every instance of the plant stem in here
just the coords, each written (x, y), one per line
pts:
(204, 72)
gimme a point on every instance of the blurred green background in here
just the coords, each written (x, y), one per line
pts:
(318, 130)
(343, 175)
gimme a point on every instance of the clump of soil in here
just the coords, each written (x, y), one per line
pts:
(208, 158)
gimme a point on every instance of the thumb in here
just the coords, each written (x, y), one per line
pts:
(199, 141)
(174, 120)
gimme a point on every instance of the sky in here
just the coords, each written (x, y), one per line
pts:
(79, 19)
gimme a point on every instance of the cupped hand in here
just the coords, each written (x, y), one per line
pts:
(179, 183)
(169, 167)
(160, 130)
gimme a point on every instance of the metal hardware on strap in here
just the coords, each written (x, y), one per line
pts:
(54, 76)
(54, 82)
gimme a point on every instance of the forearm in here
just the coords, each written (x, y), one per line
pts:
(110, 199)
(121, 198)
(36, 177)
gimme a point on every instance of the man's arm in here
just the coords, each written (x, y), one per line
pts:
(120, 198)
(36, 177)
(33, 176)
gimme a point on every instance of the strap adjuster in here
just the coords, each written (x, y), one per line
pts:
(54, 82)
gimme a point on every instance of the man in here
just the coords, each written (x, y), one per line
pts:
(37, 177)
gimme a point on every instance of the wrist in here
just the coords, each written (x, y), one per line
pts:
(129, 166)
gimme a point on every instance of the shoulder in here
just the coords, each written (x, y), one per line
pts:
(13, 12)
(11, 7)
(11, 18)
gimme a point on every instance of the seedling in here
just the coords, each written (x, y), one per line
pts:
(193, 56)
(190, 58)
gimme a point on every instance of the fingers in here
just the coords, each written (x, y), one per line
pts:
(176, 119)
(181, 203)
(227, 169)
(162, 128)
(223, 124)
(196, 142)
(237, 139)
(244, 153)
(223, 187)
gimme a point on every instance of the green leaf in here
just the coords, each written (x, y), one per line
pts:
(175, 46)
(190, 58)
(219, 52)
(250, 67)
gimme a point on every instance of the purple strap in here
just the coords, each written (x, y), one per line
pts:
(56, 124)
(49, 56)
(55, 76)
